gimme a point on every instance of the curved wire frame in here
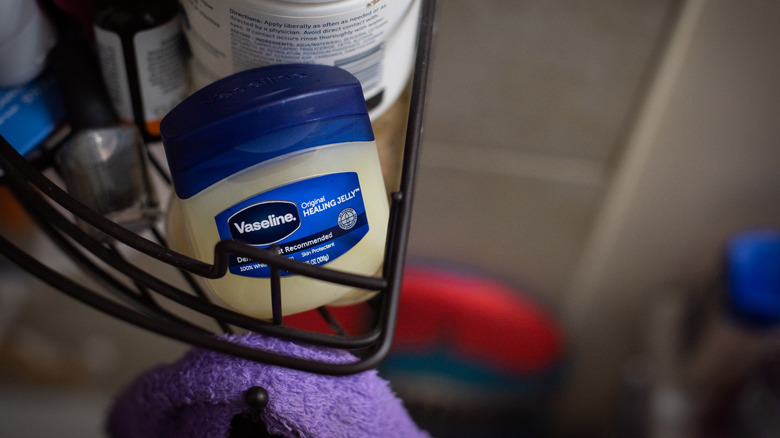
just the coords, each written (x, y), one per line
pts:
(139, 305)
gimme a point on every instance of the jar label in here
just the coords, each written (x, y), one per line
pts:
(315, 221)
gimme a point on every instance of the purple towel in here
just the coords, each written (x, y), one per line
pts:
(198, 396)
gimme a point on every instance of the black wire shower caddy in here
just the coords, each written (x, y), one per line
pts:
(139, 306)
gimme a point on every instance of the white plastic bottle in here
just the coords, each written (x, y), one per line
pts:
(26, 36)
(372, 39)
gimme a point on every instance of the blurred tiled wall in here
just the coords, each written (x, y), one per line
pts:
(527, 105)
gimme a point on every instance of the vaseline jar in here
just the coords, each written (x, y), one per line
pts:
(282, 155)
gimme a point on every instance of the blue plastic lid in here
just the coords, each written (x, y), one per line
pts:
(259, 114)
(754, 276)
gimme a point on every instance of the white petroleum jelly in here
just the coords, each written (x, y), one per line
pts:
(280, 156)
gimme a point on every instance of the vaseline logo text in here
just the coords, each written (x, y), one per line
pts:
(271, 221)
(265, 223)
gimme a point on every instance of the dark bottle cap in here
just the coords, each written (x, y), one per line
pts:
(126, 17)
(84, 95)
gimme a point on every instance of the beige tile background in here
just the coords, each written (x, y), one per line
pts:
(526, 108)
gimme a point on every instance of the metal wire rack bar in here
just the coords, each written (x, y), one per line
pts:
(138, 305)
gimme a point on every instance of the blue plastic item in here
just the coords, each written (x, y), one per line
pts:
(30, 113)
(257, 115)
(753, 259)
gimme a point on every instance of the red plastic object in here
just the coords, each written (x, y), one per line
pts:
(471, 315)
(476, 317)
